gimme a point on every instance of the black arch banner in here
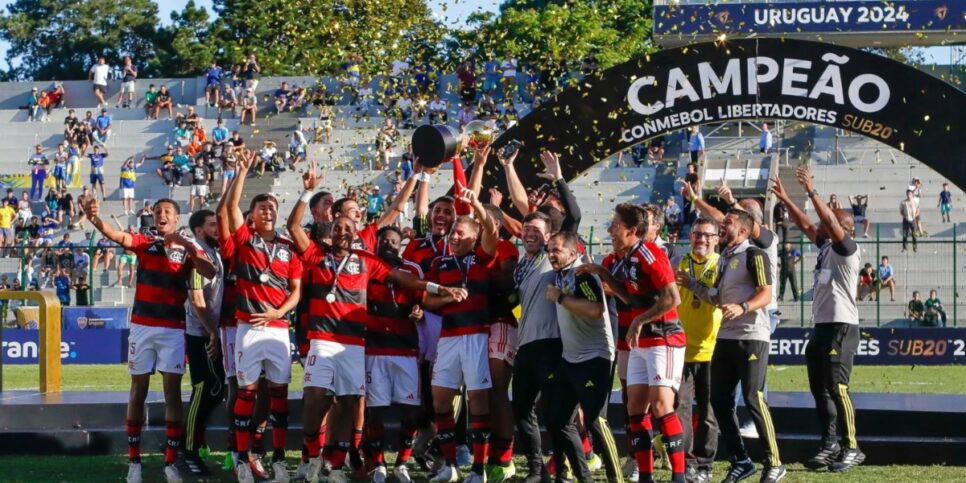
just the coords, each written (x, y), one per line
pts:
(745, 79)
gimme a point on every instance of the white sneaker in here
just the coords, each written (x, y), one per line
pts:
(134, 473)
(302, 471)
(171, 474)
(244, 472)
(379, 475)
(258, 469)
(338, 476)
(449, 474)
(280, 472)
(313, 470)
(631, 471)
(749, 431)
(474, 477)
(402, 474)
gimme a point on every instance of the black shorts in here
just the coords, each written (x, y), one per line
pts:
(100, 88)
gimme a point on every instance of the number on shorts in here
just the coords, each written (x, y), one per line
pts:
(132, 348)
(311, 360)
(368, 377)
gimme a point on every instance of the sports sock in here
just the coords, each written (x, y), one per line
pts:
(134, 441)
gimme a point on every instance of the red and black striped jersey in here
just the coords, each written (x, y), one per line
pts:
(162, 282)
(646, 270)
(366, 238)
(422, 251)
(389, 330)
(505, 296)
(343, 319)
(473, 272)
(226, 246)
(614, 263)
(263, 271)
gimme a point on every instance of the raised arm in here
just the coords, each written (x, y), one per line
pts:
(554, 174)
(518, 194)
(510, 224)
(92, 209)
(796, 214)
(703, 206)
(479, 166)
(395, 209)
(235, 217)
(825, 214)
(489, 234)
(294, 222)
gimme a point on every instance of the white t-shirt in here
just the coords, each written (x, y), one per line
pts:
(100, 72)
(437, 105)
(399, 68)
(509, 67)
(405, 103)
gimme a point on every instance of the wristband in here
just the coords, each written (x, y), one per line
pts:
(432, 288)
(423, 177)
(744, 306)
(306, 196)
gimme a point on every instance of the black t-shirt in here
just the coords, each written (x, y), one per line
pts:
(237, 143)
(33, 231)
(199, 175)
(858, 210)
(146, 220)
(66, 259)
(67, 203)
(70, 122)
(163, 97)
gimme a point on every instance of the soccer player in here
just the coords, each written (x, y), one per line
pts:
(464, 338)
(655, 338)
(835, 340)
(701, 321)
(743, 293)
(269, 277)
(203, 344)
(583, 374)
(157, 322)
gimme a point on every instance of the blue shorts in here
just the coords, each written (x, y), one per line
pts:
(945, 208)
(229, 174)
(97, 178)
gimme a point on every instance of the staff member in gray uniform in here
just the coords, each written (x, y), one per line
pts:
(201, 341)
(539, 337)
(583, 373)
(743, 292)
(835, 340)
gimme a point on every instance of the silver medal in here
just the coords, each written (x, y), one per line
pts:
(330, 298)
(263, 278)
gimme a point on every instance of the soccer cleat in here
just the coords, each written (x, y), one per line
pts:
(773, 474)
(463, 455)
(134, 473)
(280, 472)
(499, 474)
(594, 463)
(748, 430)
(230, 461)
(825, 456)
(849, 458)
(171, 474)
(258, 470)
(313, 470)
(196, 464)
(379, 474)
(631, 470)
(475, 477)
(203, 451)
(740, 470)
(447, 474)
(338, 476)
(402, 474)
(244, 473)
(302, 470)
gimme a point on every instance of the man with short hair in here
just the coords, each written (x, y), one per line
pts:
(765, 140)
(859, 204)
(128, 180)
(909, 211)
(213, 83)
(157, 322)
(129, 74)
(97, 168)
(38, 163)
(200, 179)
(102, 128)
(945, 203)
(835, 340)
(98, 77)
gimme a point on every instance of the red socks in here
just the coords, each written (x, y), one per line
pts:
(673, 440)
(134, 441)
(278, 414)
(373, 445)
(244, 407)
(173, 435)
(641, 443)
(406, 436)
(480, 436)
(446, 435)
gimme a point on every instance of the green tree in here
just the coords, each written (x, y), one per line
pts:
(61, 39)
(315, 37)
(189, 45)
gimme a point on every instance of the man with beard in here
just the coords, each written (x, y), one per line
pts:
(269, 277)
(157, 340)
(701, 321)
(742, 291)
(464, 336)
(202, 342)
(583, 374)
(836, 336)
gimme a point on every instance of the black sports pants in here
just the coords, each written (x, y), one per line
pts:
(208, 390)
(742, 362)
(700, 446)
(828, 357)
(588, 384)
(534, 364)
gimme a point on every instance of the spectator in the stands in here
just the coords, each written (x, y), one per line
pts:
(103, 254)
(252, 72)
(52, 204)
(8, 214)
(437, 110)
(82, 291)
(38, 172)
(56, 97)
(200, 180)
(297, 99)
(82, 200)
(467, 82)
(182, 134)
(102, 128)
(374, 204)
(466, 115)
(386, 141)
(249, 104)
(236, 140)
(145, 221)
(404, 111)
(129, 74)
(150, 102)
(917, 188)
(33, 105)
(167, 171)
(60, 167)
(164, 101)
(98, 77)
(97, 169)
(935, 312)
(128, 179)
(24, 207)
(407, 162)
(324, 126)
(867, 283)
(297, 146)
(909, 213)
(696, 144)
(265, 158)
(220, 136)
(915, 310)
(213, 83)
(859, 204)
(509, 67)
(491, 74)
(281, 97)
(887, 278)
(67, 208)
(673, 219)
(62, 286)
(945, 205)
(229, 101)
(70, 124)
(191, 118)
(765, 141)
(834, 203)
(509, 117)
(182, 162)
(229, 163)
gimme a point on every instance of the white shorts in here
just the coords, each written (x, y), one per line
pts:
(127, 86)
(338, 368)
(622, 357)
(127, 193)
(392, 379)
(429, 336)
(199, 190)
(503, 342)
(656, 366)
(463, 360)
(155, 348)
(228, 350)
(260, 349)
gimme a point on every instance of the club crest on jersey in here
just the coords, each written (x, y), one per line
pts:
(176, 255)
(284, 255)
(354, 266)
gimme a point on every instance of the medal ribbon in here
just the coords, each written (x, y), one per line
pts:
(330, 262)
